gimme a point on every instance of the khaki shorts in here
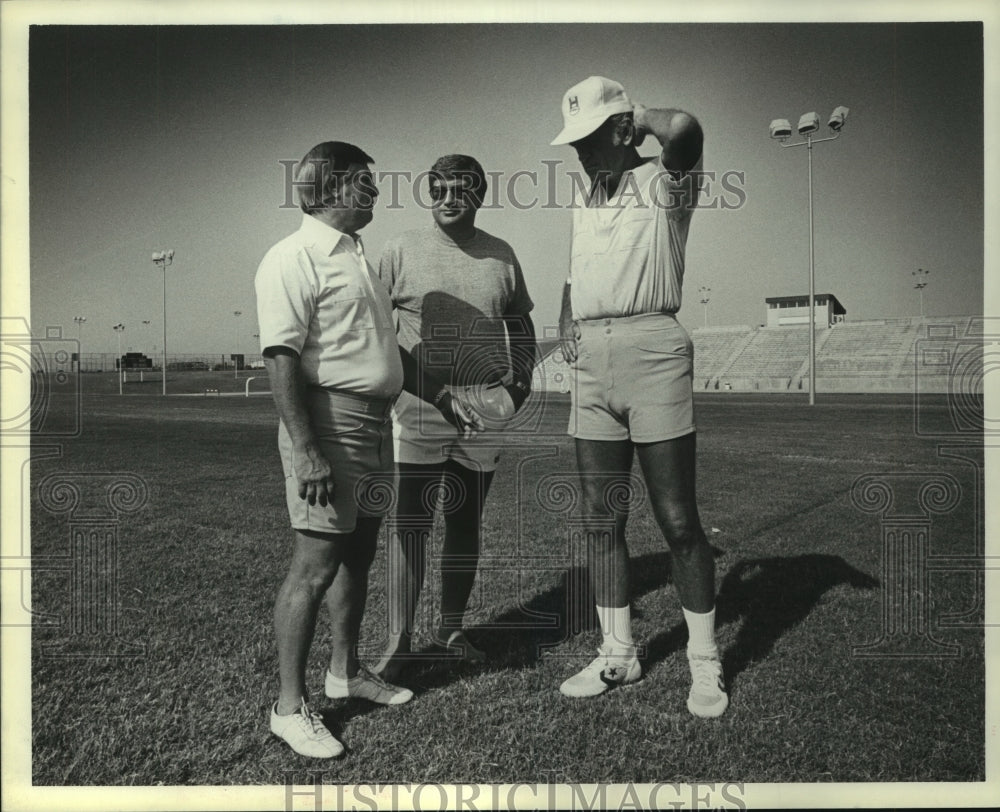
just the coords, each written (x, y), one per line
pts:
(421, 436)
(633, 380)
(354, 433)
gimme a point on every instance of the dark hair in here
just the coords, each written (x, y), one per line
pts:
(461, 167)
(322, 168)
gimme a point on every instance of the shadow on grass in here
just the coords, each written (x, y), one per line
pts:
(766, 596)
(772, 595)
(519, 637)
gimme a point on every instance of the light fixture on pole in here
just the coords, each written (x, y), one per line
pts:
(236, 355)
(119, 329)
(921, 276)
(705, 299)
(162, 259)
(79, 341)
(781, 131)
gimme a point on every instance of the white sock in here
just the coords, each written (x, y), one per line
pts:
(616, 626)
(701, 633)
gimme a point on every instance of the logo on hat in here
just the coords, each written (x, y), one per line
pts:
(574, 105)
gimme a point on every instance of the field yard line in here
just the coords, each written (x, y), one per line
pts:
(788, 518)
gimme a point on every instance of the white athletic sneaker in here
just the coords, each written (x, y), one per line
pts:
(305, 733)
(366, 685)
(603, 673)
(707, 697)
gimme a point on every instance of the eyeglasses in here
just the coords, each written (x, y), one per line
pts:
(439, 191)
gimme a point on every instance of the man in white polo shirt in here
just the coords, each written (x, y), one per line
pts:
(633, 363)
(330, 349)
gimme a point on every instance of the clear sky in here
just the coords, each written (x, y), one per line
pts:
(172, 136)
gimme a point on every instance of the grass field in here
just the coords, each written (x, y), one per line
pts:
(800, 580)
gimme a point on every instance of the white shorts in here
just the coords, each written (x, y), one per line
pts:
(421, 436)
(633, 380)
(353, 433)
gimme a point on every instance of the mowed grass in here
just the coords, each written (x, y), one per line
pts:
(799, 575)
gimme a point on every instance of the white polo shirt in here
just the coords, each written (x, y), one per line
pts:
(317, 295)
(627, 255)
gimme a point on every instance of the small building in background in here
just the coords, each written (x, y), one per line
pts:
(785, 311)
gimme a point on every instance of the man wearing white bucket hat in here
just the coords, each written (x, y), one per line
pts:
(633, 369)
(460, 300)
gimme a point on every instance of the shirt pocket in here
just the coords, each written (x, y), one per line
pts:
(631, 228)
(348, 308)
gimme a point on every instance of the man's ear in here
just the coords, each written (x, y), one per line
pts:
(625, 130)
(331, 195)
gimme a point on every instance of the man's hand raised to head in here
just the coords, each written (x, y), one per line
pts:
(639, 130)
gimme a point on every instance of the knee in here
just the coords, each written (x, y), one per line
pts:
(607, 498)
(681, 527)
(312, 577)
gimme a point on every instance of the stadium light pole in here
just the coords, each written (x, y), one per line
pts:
(781, 131)
(119, 329)
(79, 341)
(921, 276)
(236, 362)
(145, 338)
(705, 299)
(162, 259)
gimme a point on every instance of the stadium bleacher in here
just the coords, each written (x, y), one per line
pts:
(888, 355)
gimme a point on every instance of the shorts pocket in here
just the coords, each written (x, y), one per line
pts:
(338, 428)
(668, 341)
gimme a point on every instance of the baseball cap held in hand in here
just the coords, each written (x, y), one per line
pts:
(587, 105)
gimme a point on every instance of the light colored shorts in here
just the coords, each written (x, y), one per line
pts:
(633, 380)
(421, 436)
(354, 433)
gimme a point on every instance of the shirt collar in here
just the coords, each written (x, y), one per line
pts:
(319, 234)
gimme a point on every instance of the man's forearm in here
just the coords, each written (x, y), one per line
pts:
(417, 381)
(566, 308)
(288, 388)
(523, 348)
(679, 134)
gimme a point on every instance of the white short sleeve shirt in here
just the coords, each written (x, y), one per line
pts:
(317, 295)
(628, 251)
